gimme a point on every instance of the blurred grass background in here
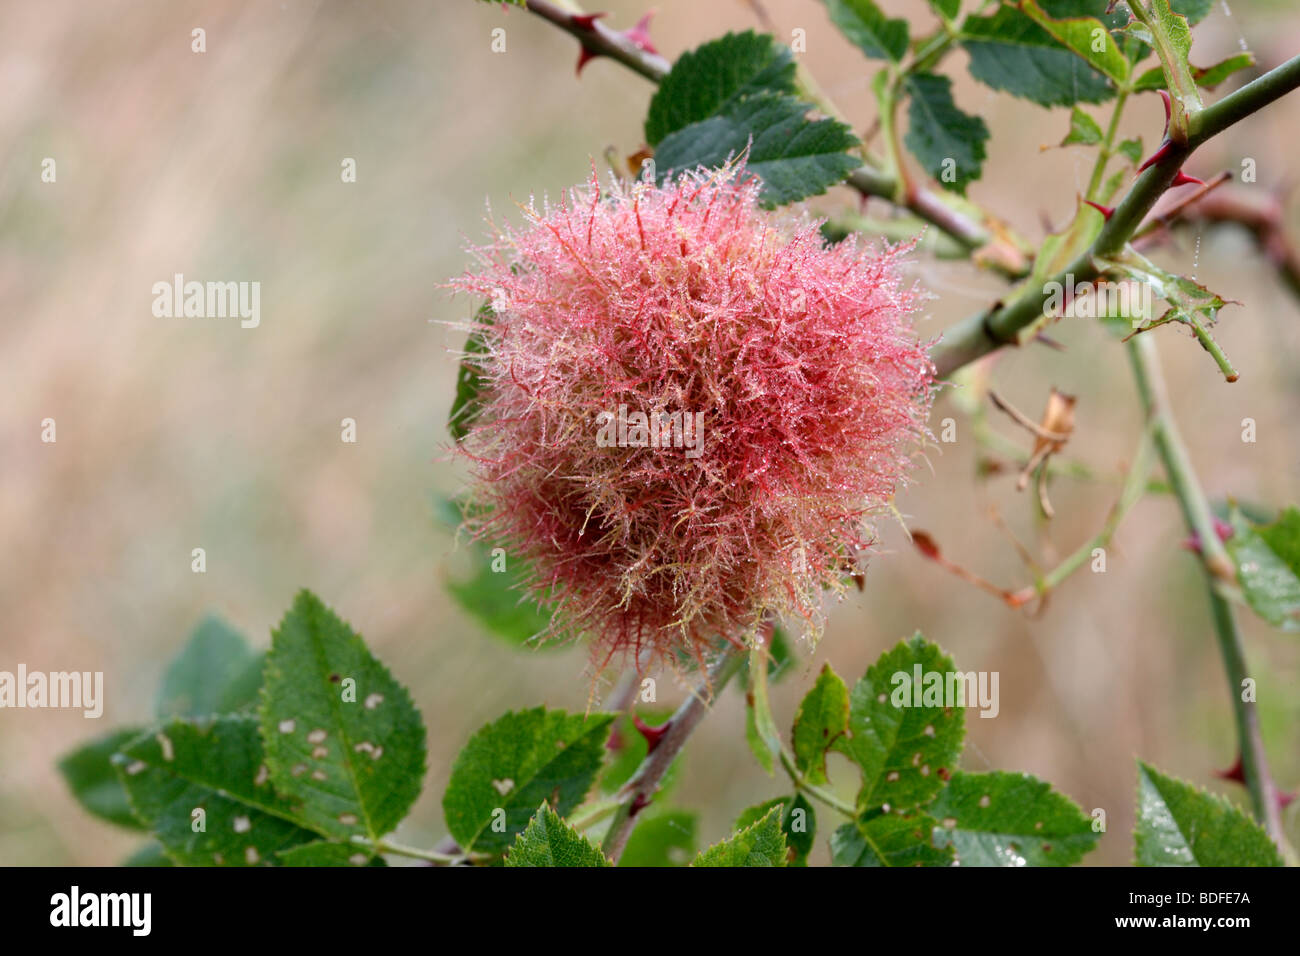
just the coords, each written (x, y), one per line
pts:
(183, 433)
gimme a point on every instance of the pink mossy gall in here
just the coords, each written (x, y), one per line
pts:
(691, 409)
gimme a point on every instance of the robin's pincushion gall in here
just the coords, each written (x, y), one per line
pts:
(690, 305)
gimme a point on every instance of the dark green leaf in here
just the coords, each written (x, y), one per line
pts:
(948, 143)
(1082, 35)
(1194, 10)
(342, 736)
(947, 9)
(215, 766)
(513, 764)
(822, 718)
(760, 844)
(549, 841)
(715, 77)
(216, 673)
(1180, 825)
(794, 156)
(90, 776)
(1010, 819)
(904, 750)
(869, 29)
(1010, 52)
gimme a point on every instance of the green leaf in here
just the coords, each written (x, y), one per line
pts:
(1207, 77)
(1180, 825)
(513, 764)
(1010, 819)
(904, 750)
(466, 406)
(1084, 130)
(889, 840)
(216, 766)
(90, 776)
(798, 823)
(1010, 52)
(948, 143)
(1082, 36)
(664, 839)
(151, 854)
(324, 853)
(549, 841)
(822, 718)
(760, 844)
(867, 28)
(216, 673)
(494, 594)
(342, 736)
(714, 77)
(794, 156)
(1131, 149)
(1190, 303)
(946, 9)
(1268, 566)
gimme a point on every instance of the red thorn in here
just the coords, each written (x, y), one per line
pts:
(1236, 774)
(1224, 531)
(652, 735)
(639, 35)
(615, 741)
(1164, 95)
(1106, 211)
(639, 803)
(1232, 773)
(1158, 155)
(1182, 179)
(926, 545)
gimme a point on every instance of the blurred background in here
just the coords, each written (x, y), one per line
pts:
(175, 434)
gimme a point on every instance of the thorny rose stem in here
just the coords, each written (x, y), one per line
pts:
(986, 332)
(1217, 566)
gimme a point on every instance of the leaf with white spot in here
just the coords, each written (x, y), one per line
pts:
(760, 844)
(514, 764)
(1010, 819)
(215, 673)
(218, 767)
(324, 853)
(342, 736)
(549, 841)
(905, 738)
(890, 839)
(90, 776)
(1180, 825)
